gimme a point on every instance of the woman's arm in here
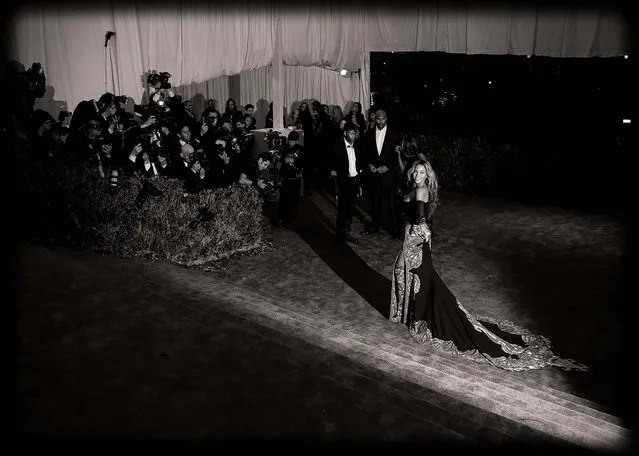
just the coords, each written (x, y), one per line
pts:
(400, 162)
(421, 229)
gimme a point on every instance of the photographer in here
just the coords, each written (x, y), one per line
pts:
(88, 145)
(209, 129)
(253, 172)
(121, 137)
(40, 145)
(181, 167)
(221, 173)
(195, 170)
(245, 135)
(128, 133)
(21, 88)
(160, 93)
(185, 115)
(103, 110)
(148, 158)
(291, 180)
(170, 142)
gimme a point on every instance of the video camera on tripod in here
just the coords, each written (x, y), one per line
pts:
(159, 80)
(32, 83)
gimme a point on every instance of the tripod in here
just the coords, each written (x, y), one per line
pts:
(108, 56)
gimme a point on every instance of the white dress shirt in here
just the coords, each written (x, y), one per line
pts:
(379, 138)
(148, 165)
(352, 168)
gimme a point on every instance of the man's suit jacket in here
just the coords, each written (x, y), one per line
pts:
(85, 110)
(340, 159)
(387, 157)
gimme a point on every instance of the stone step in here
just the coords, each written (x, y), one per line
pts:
(324, 202)
(450, 418)
(309, 314)
(560, 417)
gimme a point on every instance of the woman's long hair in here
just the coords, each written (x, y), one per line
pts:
(409, 147)
(431, 183)
(228, 110)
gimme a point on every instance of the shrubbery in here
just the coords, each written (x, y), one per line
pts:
(473, 165)
(130, 222)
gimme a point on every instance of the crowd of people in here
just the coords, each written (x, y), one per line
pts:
(365, 155)
(164, 138)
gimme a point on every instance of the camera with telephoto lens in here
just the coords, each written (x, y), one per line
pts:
(164, 80)
(276, 142)
(32, 82)
(153, 79)
(198, 156)
(151, 143)
(63, 115)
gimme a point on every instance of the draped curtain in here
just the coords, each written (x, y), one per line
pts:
(301, 84)
(201, 44)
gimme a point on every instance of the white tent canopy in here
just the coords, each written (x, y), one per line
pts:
(260, 51)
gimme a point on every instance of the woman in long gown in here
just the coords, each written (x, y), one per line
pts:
(421, 300)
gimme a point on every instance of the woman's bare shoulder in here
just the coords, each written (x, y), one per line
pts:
(421, 194)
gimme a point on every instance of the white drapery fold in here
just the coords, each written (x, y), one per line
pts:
(323, 36)
(196, 42)
(518, 30)
(314, 83)
(301, 83)
(199, 93)
(193, 42)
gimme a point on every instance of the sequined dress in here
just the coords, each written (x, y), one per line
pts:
(435, 318)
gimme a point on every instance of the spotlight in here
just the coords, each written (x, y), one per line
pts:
(625, 56)
(345, 73)
(490, 82)
(626, 121)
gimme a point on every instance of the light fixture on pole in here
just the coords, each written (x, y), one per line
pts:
(107, 38)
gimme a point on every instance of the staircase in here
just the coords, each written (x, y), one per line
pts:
(519, 410)
(490, 406)
(452, 400)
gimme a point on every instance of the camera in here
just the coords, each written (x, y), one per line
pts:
(153, 79)
(63, 115)
(32, 82)
(151, 144)
(164, 80)
(234, 144)
(276, 142)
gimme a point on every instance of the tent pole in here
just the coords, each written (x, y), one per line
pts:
(277, 75)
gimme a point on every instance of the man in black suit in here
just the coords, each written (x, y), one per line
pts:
(101, 110)
(383, 175)
(347, 166)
